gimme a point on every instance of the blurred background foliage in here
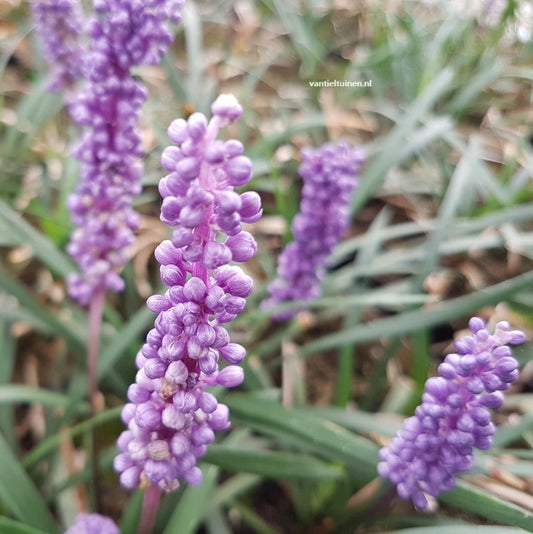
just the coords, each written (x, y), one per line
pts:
(442, 229)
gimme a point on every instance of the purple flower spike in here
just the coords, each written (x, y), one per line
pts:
(58, 24)
(438, 442)
(173, 417)
(92, 524)
(330, 175)
(123, 35)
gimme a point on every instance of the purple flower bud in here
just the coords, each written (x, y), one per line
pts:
(209, 363)
(147, 416)
(158, 303)
(250, 210)
(196, 126)
(179, 444)
(216, 254)
(176, 372)
(233, 148)
(128, 411)
(136, 394)
(476, 324)
(194, 289)
(219, 418)
(231, 376)
(130, 478)
(229, 201)
(193, 476)
(214, 153)
(202, 435)
(226, 107)
(233, 353)
(188, 168)
(243, 246)
(182, 237)
(177, 132)
(239, 170)
(167, 254)
(207, 402)
(125, 438)
(173, 418)
(240, 285)
(222, 336)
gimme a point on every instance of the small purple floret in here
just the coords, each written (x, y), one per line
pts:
(438, 442)
(330, 175)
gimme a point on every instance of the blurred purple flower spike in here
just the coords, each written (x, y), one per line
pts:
(59, 25)
(93, 524)
(330, 175)
(124, 34)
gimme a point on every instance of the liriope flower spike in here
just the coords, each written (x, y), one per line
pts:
(58, 24)
(171, 416)
(123, 35)
(437, 443)
(330, 175)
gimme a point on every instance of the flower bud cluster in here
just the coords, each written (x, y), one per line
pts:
(92, 524)
(58, 24)
(330, 175)
(437, 442)
(124, 34)
(171, 418)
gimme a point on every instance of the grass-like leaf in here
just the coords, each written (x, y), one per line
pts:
(189, 512)
(310, 432)
(271, 464)
(472, 499)
(18, 393)
(44, 249)
(8, 526)
(41, 318)
(19, 495)
(464, 529)
(412, 321)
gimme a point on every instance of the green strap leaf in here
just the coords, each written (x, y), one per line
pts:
(8, 526)
(470, 498)
(271, 464)
(15, 393)
(19, 495)
(412, 321)
(308, 431)
(189, 512)
(25, 234)
(40, 317)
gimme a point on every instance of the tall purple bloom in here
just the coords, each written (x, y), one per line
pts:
(59, 25)
(93, 524)
(330, 174)
(171, 417)
(437, 442)
(123, 35)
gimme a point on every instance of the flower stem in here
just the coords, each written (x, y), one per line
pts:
(96, 309)
(152, 496)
